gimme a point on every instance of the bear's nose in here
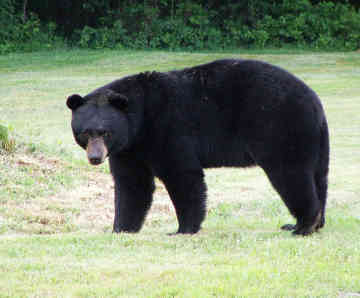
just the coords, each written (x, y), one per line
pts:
(95, 160)
(96, 150)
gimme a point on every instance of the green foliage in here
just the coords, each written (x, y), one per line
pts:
(30, 36)
(16, 34)
(105, 37)
(4, 135)
(191, 25)
(326, 25)
(6, 20)
(7, 145)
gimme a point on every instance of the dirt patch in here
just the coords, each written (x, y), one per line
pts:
(39, 163)
(95, 203)
(89, 207)
(91, 204)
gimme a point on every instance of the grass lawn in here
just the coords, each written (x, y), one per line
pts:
(56, 211)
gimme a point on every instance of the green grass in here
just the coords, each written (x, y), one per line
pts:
(56, 211)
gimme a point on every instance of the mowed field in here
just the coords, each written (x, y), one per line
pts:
(56, 211)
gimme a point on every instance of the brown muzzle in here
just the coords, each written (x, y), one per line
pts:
(96, 150)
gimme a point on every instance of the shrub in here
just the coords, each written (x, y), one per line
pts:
(325, 25)
(7, 145)
(19, 35)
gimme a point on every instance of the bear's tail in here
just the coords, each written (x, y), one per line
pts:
(321, 173)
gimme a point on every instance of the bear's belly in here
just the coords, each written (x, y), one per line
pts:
(224, 152)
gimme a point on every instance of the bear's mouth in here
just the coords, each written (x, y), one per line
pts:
(96, 150)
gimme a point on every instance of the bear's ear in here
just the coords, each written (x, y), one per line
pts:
(74, 101)
(119, 101)
(147, 76)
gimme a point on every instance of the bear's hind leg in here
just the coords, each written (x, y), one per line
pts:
(298, 191)
(321, 187)
(321, 175)
(188, 193)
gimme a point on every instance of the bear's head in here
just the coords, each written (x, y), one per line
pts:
(110, 120)
(100, 123)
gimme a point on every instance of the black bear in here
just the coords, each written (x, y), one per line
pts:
(227, 113)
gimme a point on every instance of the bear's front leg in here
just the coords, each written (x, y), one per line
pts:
(134, 187)
(187, 191)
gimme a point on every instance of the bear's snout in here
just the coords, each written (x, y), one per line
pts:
(96, 151)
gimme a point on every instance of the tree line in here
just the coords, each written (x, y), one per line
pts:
(172, 24)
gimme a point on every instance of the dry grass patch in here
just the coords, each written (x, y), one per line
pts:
(88, 206)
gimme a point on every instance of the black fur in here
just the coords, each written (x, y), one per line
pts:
(232, 113)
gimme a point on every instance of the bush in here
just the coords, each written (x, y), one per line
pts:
(7, 145)
(189, 28)
(19, 35)
(6, 20)
(326, 25)
(257, 23)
